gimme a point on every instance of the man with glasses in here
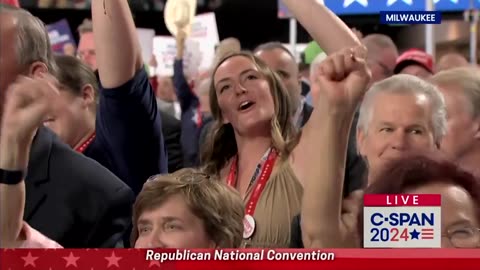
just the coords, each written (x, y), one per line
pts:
(382, 56)
(463, 236)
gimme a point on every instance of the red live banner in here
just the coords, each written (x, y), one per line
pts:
(252, 259)
(402, 200)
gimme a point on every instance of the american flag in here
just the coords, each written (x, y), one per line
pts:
(427, 234)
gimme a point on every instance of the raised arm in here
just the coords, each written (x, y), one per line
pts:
(117, 47)
(27, 103)
(13, 157)
(185, 95)
(341, 81)
(128, 125)
(323, 25)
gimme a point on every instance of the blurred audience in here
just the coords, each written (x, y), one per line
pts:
(265, 149)
(382, 56)
(451, 60)
(90, 195)
(281, 60)
(86, 46)
(166, 97)
(94, 130)
(193, 111)
(461, 90)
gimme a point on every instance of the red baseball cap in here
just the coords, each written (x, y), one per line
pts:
(10, 2)
(414, 57)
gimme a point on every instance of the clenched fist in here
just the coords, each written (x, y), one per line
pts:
(342, 78)
(28, 102)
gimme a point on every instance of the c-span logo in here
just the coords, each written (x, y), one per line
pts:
(402, 221)
(410, 17)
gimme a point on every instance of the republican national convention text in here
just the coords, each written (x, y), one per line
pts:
(238, 255)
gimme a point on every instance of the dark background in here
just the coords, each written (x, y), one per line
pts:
(251, 21)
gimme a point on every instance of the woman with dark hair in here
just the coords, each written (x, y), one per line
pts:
(460, 193)
(254, 134)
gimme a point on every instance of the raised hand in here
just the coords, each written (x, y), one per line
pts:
(28, 102)
(342, 78)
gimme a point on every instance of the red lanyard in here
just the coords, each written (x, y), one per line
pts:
(259, 178)
(85, 144)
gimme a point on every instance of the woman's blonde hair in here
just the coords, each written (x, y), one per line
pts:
(219, 206)
(221, 146)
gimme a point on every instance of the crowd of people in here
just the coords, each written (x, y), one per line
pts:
(254, 152)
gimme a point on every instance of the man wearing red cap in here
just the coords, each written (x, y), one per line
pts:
(415, 62)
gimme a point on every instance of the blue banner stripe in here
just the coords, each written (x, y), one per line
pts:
(358, 7)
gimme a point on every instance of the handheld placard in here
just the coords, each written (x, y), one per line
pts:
(402, 221)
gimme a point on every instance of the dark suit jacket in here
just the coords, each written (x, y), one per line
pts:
(172, 130)
(73, 199)
(306, 113)
(204, 132)
(305, 88)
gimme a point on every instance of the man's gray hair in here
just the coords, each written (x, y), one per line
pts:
(376, 42)
(32, 40)
(468, 79)
(406, 84)
(85, 27)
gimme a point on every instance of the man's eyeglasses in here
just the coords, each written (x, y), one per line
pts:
(187, 178)
(464, 237)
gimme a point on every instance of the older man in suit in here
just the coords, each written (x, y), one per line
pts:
(69, 198)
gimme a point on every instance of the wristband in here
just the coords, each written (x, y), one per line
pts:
(11, 177)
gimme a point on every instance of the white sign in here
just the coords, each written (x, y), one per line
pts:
(145, 36)
(199, 48)
(165, 51)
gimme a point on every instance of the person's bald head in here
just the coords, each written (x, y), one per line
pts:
(382, 55)
(279, 59)
(451, 60)
(226, 46)
(230, 43)
(378, 42)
